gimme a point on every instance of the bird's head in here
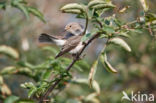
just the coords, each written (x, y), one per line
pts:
(74, 28)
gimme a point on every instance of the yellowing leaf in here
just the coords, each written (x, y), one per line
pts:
(72, 6)
(90, 96)
(80, 80)
(73, 11)
(92, 73)
(124, 9)
(95, 2)
(106, 64)
(121, 43)
(144, 4)
(1, 80)
(9, 70)
(96, 87)
(5, 90)
(102, 6)
(9, 51)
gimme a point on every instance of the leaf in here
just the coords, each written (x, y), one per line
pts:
(123, 34)
(73, 11)
(106, 64)
(86, 37)
(144, 5)
(92, 73)
(120, 42)
(80, 80)
(47, 74)
(108, 29)
(5, 90)
(102, 6)
(96, 87)
(9, 70)
(90, 96)
(11, 99)
(36, 12)
(95, 2)
(31, 92)
(124, 9)
(25, 101)
(23, 8)
(9, 51)
(72, 6)
(1, 80)
(2, 5)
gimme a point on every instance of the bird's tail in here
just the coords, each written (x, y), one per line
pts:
(46, 38)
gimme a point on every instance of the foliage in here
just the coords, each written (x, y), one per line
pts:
(22, 5)
(111, 28)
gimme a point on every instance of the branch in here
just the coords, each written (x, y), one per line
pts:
(51, 88)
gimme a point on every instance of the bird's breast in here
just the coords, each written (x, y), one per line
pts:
(77, 48)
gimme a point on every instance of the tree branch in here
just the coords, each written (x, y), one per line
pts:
(51, 88)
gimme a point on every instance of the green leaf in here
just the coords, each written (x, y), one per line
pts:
(72, 6)
(102, 11)
(92, 73)
(144, 5)
(80, 16)
(22, 7)
(11, 99)
(106, 64)
(86, 37)
(25, 101)
(120, 42)
(47, 74)
(36, 12)
(31, 92)
(2, 5)
(108, 29)
(9, 51)
(123, 34)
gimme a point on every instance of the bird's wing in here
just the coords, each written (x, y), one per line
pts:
(70, 44)
(68, 35)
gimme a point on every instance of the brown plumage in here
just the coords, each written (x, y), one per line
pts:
(70, 44)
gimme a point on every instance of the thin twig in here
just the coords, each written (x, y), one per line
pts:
(44, 97)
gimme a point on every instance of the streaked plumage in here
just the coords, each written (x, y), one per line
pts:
(71, 42)
(73, 45)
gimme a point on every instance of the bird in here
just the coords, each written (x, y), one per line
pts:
(71, 42)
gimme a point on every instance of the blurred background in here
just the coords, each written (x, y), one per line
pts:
(136, 70)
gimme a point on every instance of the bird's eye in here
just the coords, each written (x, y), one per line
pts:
(70, 26)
